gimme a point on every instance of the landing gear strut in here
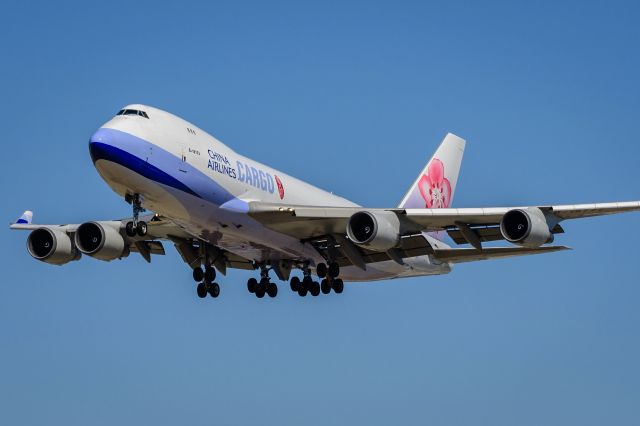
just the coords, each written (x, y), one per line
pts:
(136, 226)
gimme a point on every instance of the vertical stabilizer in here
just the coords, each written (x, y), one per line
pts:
(435, 185)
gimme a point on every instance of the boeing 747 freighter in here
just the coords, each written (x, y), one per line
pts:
(223, 210)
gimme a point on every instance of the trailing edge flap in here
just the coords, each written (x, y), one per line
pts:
(471, 254)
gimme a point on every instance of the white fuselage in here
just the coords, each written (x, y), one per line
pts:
(202, 185)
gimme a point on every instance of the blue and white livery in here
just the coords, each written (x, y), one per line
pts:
(223, 210)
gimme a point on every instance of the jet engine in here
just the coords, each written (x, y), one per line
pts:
(526, 227)
(101, 240)
(379, 231)
(51, 246)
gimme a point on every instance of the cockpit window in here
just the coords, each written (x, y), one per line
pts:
(132, 112)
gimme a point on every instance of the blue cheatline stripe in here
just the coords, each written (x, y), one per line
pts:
(102, 151)
(158, 164)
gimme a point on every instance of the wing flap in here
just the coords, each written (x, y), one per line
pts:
(410, 246)
(471, 254)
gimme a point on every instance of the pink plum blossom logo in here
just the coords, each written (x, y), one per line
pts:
(434, 187)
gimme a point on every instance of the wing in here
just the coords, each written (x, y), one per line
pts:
(159, 229)
(465, 225)
(307, 222)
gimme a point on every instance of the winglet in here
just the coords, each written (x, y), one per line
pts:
(25, 219)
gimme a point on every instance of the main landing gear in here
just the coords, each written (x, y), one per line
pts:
(264, 286)
(205, 274)
(205, 279)
(328, 274)
(135, 227)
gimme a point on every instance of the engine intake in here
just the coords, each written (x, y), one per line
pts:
(101, 240)
(526, 227)
(379, 231)
(51, 246)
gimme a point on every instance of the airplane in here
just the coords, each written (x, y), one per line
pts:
(223, 210)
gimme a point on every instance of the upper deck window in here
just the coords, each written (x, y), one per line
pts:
(132, 112)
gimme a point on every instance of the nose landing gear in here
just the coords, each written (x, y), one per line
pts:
(136, 226)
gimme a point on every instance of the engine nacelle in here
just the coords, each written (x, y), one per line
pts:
(379, 231)
(51, 246)
(526, 227)
(101, 240)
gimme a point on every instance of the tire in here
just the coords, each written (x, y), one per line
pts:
(201, 289)
(302, 291)
(295, 283)
(209, 274)
(141, 229)
(315, 289)
(325, 287)
(334, 270)
(338, 286)
(307, 283)
(214, 290)
(198, 275)
(259, 293)
(264, 284)
(272, 290)
(130, 230)
(252, 284)
(321, 270)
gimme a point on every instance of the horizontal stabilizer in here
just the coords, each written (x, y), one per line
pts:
(470, 254)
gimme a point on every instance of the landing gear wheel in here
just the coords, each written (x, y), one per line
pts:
(252, 284)
(338, 286)
(272, 290)
(302, 291)
(260, 292)
(214, 290)
(295, 283)
(315, 289)
(321, 270)
(130, 230)
(325, 287)
(141, 228)
(209, 274)
(198, 275)
(334, 270)
(201, 290)
(307, 283)
(264, 284)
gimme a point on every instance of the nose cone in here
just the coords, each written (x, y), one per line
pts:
(100, 144)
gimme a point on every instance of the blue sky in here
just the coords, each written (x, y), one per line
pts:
(353, 97)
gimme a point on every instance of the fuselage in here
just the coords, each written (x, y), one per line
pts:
(204, 186)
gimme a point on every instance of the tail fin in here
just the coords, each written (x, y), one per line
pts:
(26, 218)
(435, 185)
